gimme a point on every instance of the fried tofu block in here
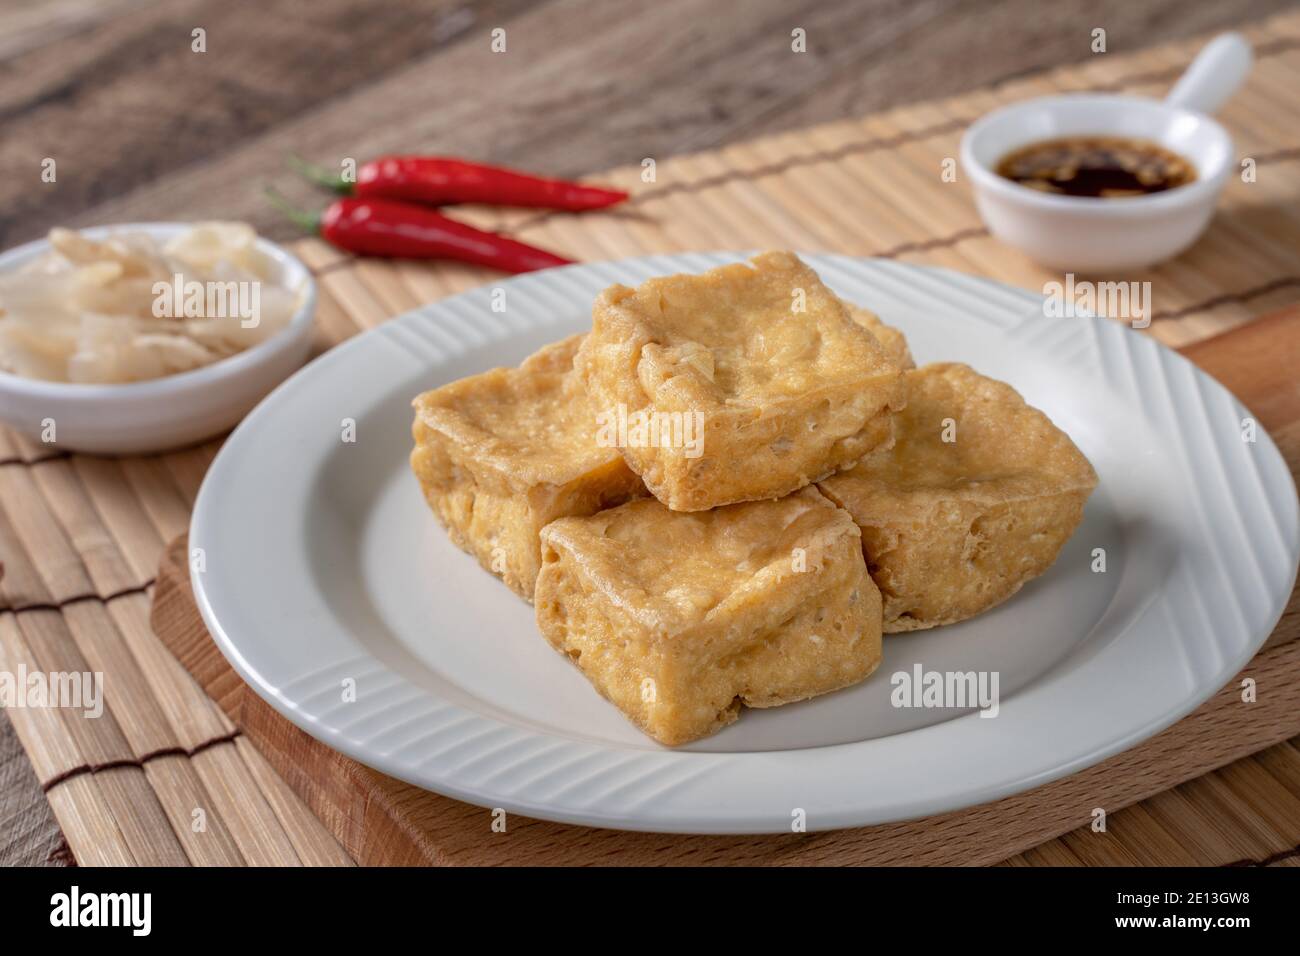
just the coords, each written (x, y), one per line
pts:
(951, 528)
(759, 379)
(891, 339)
(679, 619)
(502, 454)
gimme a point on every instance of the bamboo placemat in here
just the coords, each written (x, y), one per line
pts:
(164, 777)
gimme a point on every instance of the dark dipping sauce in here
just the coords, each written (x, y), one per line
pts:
(1105, 167)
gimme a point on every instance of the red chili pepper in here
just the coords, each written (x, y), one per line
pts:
(382, 227)
(441, 181)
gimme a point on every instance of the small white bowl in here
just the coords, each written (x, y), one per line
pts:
(1085, 234)
(136, 418)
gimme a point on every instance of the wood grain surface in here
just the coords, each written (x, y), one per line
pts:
(382, 821)
(144, 128)
(29, 835)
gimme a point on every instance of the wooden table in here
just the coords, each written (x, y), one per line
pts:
(143, 127)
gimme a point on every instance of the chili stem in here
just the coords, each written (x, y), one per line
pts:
(298, 216)
(319, 175)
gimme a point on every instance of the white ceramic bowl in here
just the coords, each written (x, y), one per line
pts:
(158, 414)
(1085, 234)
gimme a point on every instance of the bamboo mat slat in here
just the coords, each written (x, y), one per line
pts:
(1283, 763)
(89, 824)
(313, 843)
(123, 512)
(81, 538)
(126, 689)
(201, 831)
(188, 467)
(236, 796)
(21, 586)
(97, 741)
(140, 817)
(58, 482)
(186, 710)
(1270, 801)
(48, 745)
(1141, 837)
(60, 570)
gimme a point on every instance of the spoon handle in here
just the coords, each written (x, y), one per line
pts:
(1214, 75)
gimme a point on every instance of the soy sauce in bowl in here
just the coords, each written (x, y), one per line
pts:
(1104, 167)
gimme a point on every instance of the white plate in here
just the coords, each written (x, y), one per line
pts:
(324, 566)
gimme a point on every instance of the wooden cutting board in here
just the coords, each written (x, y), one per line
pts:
(383, 821)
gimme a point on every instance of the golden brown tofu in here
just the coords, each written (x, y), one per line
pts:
(976, 497)
(679, 619)
(501, 454)
(891, 339)
(759, 361)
